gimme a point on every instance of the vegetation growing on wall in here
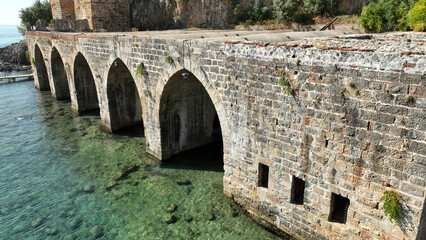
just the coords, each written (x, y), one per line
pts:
(140, 70)
(392, 205)
(169, 59)
(394, 15)
(286, 84)
(27, 55)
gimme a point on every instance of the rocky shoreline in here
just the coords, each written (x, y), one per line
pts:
(14, 57)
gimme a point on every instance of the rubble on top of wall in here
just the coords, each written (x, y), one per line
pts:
(407, 42)
(62, 25)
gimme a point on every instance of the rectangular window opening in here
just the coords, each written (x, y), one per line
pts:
(297, 191)
(263, 175)
(339, 208)
(369, 126)
(326, 143)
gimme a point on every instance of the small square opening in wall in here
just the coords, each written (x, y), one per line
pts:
(263, 175)
(339, 208)
(297, 190)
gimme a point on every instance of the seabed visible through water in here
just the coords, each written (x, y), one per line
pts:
(62, 178)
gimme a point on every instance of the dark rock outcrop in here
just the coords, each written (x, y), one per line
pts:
(14, 57)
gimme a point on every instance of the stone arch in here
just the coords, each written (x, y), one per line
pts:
(85, 87)
(124, 102)
(59, 76)
(189, 118)
(40, 65)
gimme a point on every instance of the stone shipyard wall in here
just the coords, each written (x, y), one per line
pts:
(122, 15)
(83, 10)
(355, 127)
(155, 14)
(62, 8)
(111, 15)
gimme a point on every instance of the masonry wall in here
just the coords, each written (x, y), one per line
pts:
(83, 10)
(62, 8)
(355, 126)
(122, 15)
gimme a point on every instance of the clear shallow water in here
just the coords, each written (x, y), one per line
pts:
(49, 157)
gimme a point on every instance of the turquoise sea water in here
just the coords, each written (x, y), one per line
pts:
(60, 179)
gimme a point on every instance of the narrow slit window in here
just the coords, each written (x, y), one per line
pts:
(339, 208)
(297, 190)
(263, 175)
(369, 126)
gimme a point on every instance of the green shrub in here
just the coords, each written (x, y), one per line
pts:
(371, 19)
(416, 17)
(257, 14)
(392, 205)
(321, 7)
(285, 10)
(386, 15)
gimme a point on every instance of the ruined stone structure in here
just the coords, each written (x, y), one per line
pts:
(314, 131)
(122, 15)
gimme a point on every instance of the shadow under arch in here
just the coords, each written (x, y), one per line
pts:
(124, 102)
(421, 234)
(188, 117)
(87, 96)
(59, 76)
(43, 78)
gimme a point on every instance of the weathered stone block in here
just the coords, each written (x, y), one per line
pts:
(41, 25)
(81, 25)
(60, 25)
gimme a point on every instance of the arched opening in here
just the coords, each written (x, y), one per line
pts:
(87, 96)
(59, 76)
(43, 79)
(123, 98)
(188, 117)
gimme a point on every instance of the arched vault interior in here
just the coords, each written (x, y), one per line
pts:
(123, 98)
(188, 117)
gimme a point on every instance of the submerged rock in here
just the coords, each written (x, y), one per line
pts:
(75, 223)
(170, 207)
(210, 216)
(169, 219)
(111, 185)
(183, 182)
(189, 189)
(37, 223)
(97, 231)
(125, 171)
(70, 237)
(52, 231)
(89, 189)
(188, 218)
